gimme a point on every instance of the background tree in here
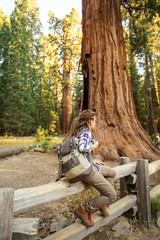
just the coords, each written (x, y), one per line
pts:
(17, 96)
(5, 30)
(50, 85)
(141, 38)
(104, 64)
(20, 70)
(68, 36)
(32, 85)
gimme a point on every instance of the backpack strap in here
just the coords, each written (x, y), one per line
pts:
(59, 152)
(72, 144)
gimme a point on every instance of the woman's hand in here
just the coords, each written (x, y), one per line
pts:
(95, 145)
(99, 163)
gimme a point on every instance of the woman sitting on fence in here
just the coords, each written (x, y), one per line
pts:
(101, 177)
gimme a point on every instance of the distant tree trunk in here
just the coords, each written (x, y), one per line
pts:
(155, 93)
(66, 102)
(109, 89)
(133, 69)
(151, 122)
(155, 82)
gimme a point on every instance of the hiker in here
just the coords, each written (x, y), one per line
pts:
(101, 176)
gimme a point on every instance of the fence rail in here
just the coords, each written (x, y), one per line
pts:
(129, 173)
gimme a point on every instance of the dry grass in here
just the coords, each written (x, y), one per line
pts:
(10, 142)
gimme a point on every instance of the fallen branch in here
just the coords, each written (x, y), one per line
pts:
(15, 151)
(11, 151)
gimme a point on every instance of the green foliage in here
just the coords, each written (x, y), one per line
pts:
(66, 34)
(46, 144)
(41, 133)
(142, 44)
(153, 136)
(18, 71)
(155, 206)
(30, 79)
(42, 136)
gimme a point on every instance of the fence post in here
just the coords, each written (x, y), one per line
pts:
(6, 213)
(143, 192)
(123, 182)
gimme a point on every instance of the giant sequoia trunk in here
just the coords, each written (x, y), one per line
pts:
(108, 88)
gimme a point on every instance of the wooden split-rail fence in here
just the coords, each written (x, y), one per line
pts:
(135, 196)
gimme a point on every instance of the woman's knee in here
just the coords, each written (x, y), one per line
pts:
(113, 173)
(108, 172)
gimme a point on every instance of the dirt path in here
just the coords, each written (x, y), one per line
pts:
(31, 169)
(28, 169)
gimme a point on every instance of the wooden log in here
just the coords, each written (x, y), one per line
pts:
(6, 213)
(123, 182)
(39, 150)
(11, 151)
(143, 193)
(125, 170)
(78, 231)
(132, 179)
(155, 192)
(25, 228)
(154, 167)
(33, 197)
(33, 146)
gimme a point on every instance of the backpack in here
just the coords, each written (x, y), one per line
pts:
(73, 163)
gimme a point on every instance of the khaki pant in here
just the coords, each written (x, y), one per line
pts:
(102, 181)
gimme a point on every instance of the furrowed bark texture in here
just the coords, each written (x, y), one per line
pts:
(104, 62)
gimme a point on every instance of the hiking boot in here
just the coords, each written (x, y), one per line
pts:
(104, 210)
(85, 216)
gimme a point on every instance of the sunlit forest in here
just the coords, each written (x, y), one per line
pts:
(41, 79)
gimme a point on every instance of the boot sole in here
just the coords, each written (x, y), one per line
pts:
(104, 215)
(85, 224)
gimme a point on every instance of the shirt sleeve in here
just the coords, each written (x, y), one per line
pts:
(85, 142)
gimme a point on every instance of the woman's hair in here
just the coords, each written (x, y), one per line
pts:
(81, 122)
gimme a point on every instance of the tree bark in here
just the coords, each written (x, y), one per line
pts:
(118, 131)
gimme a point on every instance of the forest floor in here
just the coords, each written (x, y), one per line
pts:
(31, 169)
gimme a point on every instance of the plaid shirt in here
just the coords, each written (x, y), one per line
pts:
(85, 141)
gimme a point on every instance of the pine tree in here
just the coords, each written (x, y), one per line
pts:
(32, 25)
(142, 16)
(5, 32)
(21, 71)
(17, 118)
(68, 36)
(50, 84)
